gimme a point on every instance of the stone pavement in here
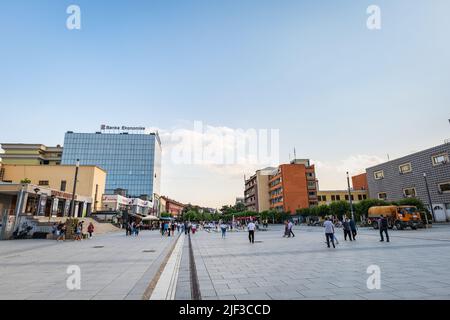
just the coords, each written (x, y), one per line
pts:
(413, 266)
(113, 266)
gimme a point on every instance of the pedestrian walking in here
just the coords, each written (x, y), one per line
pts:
(137, 228)
(193, 228)
(77, 231)
(286, 229)
(353, 228)
(290, 227)
(383, 224)
(251, 231)
(347, 229)
(90, 229)
(223, 227)
(128, 229)
(329, 232)
(61, 232)
(162, 228)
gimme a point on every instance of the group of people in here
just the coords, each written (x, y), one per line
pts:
(168, 228)
(59, 230)
(133, 228)
(350, 230)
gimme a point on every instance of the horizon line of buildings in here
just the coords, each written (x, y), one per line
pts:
(294, 186)
(117, 168)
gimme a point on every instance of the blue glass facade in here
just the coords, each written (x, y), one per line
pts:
(132, 161)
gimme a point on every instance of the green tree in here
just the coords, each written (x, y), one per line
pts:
(25, 181)
(323, 210)
(339, 208)
(362, 207)
(166, 215)
(239, 207)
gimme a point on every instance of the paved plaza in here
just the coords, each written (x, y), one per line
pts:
(113, 267)
(414, 265)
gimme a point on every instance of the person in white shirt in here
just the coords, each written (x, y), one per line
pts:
(251, 231)
(290, 226)
(329, 232)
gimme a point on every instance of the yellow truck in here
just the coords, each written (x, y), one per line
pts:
(400, 217)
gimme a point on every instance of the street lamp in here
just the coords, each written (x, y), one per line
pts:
(429, 198)
(350, 197)
(72, 209)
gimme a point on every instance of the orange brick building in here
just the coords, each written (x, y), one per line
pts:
(359, 182)
(293, 186)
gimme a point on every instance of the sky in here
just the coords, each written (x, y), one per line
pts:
(342, 95)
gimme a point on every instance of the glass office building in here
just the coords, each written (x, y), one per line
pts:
(132, 161)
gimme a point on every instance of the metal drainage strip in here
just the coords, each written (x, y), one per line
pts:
(98, 247)
(148, 251)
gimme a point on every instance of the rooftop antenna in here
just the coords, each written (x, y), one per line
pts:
(388, 157)
(295, 154)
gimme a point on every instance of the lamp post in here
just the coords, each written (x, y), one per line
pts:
(350, 197)
(429, 198)
(72, 209)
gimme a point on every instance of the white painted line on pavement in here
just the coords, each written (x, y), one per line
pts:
(167, 284)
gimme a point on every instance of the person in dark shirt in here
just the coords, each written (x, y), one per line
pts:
(353, 228)
(383, 223)
(347, 230)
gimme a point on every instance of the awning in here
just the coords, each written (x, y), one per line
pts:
(149, 218)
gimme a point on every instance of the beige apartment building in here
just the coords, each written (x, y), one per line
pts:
(91, 179)
(257, 196)
(31, 154)
(329, 196)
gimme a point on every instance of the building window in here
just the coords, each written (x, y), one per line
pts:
(378, 175)
(63, 185)
(382, 195)
(338, 197)
(409, 192)
(43, 183)
(359, 197)
(444, 187)
(405, 168)
(333, 197)
(364, 197)
(440, 159)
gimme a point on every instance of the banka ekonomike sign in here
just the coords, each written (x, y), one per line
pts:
(105, 127)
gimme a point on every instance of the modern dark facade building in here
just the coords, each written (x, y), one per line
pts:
(404, 178)
(131, 158)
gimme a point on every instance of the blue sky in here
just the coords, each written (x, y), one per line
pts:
(341, 94)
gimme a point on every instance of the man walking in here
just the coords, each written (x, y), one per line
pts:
(329, 232)
(223, 227)
(353, 228)
(383, 223)
(347, 229)
(290, 226)
(251, 231)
